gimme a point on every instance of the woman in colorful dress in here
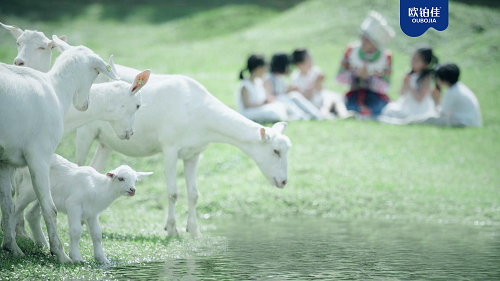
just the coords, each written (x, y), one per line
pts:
(252, 100)
(366, 68)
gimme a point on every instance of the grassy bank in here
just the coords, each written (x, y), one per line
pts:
(337, 170)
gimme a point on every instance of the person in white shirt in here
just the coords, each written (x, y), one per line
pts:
(459, 107)
(252, 100)
(298, 107)
(308, 79)
(416, 98)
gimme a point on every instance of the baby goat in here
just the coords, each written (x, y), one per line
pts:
(80, 192)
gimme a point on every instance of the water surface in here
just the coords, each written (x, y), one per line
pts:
(327, 249)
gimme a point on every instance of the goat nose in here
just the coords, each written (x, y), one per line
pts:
(19, 62)
(283, 182)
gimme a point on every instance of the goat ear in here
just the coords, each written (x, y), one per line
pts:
(16, 31)
(140, 80)
(263, 134)
(280, 127)
(64, 38)
(59, 44)
(111, 175)
(108, 69)
(141, 175)
(52, 46)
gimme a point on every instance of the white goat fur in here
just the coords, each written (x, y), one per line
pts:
(80, 192)
(115, 102)
(179, 119)
(32, 109)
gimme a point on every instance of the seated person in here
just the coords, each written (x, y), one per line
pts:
(366, 68)
(416, 98)
(309, 79)
(459, 106)
(298, 107)
(251, 98)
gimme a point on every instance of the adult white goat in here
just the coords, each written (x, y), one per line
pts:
(179, 119)
(80, 192)
(33, 48)
(115, 102)
(32, 109)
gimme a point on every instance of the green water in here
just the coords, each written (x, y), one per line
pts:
(327, 249)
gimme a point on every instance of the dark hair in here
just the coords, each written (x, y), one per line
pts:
(449, 73)
(430, 59)
(280, 63)
(253, 62)
(299, 55)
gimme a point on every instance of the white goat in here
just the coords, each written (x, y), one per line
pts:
(31, 47)
(115, 102)
(80, 192)
(179, 119)
(32, 109)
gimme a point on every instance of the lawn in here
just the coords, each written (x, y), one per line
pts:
(342, 170)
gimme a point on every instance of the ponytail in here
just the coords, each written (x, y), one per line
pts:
(241, 74)
(253, 62)
(432, 61)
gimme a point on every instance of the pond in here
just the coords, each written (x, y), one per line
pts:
(329, 249)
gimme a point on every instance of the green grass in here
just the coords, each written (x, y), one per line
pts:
(345, 170)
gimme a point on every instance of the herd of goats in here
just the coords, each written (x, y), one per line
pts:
(133, 112)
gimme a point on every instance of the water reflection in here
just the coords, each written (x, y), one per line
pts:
(327, 249)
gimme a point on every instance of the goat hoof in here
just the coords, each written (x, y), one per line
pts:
(14, 250)
(103, 261)
(63, 258)
(195, 234)
(76, 259)
(172, 233)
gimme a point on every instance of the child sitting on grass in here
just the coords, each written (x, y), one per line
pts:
(309, 79)
(416, 98)
(459, 106)
(298, 107)
(252, 101)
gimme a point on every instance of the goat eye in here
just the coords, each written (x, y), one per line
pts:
(121, 179)
(41, 48)
(138, 106)
(18, 44)
(277, 152)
